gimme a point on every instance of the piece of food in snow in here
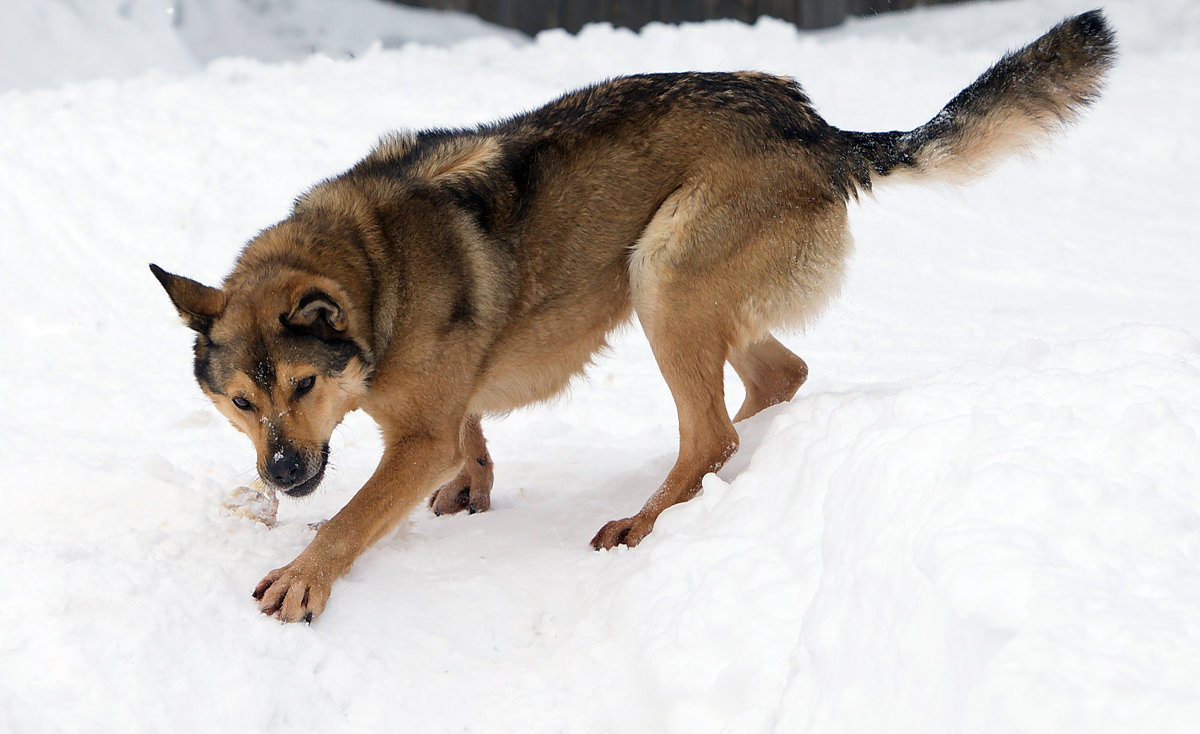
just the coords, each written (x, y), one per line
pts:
(255, 502)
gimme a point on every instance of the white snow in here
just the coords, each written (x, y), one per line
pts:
(46, 42)
(981, 514)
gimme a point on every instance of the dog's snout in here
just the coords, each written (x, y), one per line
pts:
(294, 470)
(286, 468)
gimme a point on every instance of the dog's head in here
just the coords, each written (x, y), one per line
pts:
(280, 355)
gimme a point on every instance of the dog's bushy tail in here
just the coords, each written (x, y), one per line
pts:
(1010, 108)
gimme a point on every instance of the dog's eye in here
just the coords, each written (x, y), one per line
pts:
(242, 403)
(303, 386)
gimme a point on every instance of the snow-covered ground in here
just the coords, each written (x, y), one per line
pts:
(47, 42)
(981, 514)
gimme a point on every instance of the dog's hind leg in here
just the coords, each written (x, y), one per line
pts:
(471, 490)
(723, 259)
(692, 360)
(770, 372)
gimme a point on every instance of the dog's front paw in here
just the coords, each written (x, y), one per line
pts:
(295, 593)
(629, 532)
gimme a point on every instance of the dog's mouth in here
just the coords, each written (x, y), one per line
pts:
(308, 485)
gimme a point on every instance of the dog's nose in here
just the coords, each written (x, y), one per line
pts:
(285, 467)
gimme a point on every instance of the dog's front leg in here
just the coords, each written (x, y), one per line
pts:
(410, 466)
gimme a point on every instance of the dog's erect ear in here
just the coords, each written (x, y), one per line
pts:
(318, 313)
(198, 304)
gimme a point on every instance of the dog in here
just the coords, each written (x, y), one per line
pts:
(453, 274)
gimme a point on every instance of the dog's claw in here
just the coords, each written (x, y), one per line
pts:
(264, 585)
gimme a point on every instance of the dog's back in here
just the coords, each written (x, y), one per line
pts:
(571, 185)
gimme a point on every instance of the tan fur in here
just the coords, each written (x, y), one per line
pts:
(966, 159)
(451, 275)
(460, 158)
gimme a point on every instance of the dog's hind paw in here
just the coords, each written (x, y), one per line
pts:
(628, 532)
(471, 490)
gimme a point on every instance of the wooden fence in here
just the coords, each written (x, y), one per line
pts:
(531, 16)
